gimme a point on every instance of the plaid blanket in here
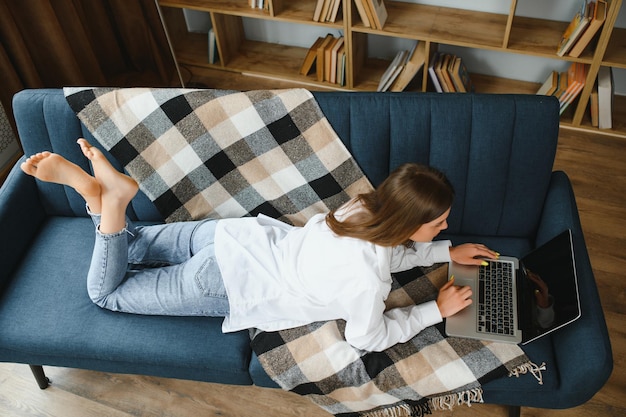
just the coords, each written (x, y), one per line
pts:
(430, 372)
(217, 153)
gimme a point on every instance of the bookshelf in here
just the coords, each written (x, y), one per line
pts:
(434, 25)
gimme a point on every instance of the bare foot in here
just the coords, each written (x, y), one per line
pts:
(117, 189)
(51, 167)
(113, 183)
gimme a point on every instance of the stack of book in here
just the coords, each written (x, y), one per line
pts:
(566, 86)
(373, 13)
(403, 68)
(327, 10)
(328, 56)
(583, 27)
(449, 74)
(259, 4)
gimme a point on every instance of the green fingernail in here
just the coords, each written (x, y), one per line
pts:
(485, 263)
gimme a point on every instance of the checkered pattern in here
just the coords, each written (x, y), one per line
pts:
(405, 380)
(213, 153)
(216, 153)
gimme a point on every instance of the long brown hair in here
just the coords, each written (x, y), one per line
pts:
(411, 196)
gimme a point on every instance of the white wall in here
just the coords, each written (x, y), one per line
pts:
(521, 67)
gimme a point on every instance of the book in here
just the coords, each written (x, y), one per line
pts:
(432, 73)
(259, 4)
(379, 12)
(325, 8)
(562, 86)
(576, 77)
(317, 13)
(333, 60)
(360, 7)
(445, 72)
(605, 98)
(321, 50)
(311, 56)
(550, 85)
(593, 105)
(367, 6)
(392, 71)
(414, 62)
(328, 57)
(439, 71)
(572, 84)
(460, 76)
(213, 52)
(599, 16)
(341, 66)
(334, 11)
(575, 29)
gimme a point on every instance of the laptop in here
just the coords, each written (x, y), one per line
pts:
(530, 312)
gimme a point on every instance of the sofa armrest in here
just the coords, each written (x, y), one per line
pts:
(582, 349)
(21, 215)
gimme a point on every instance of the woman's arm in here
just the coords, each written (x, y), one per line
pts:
(369, 327)
(421, 254)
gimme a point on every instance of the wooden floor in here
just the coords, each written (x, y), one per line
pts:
(596, 165)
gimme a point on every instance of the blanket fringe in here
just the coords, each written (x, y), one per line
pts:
(449, 401)
(531, 367)
(401, 410)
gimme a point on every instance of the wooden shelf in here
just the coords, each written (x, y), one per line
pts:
(619, 120)
(434, 25)
(536, 36)
(193, 49)
(372, 70)
(440, 24)
(615, 55)
(237, 7)
(252, 57)
(498, 85)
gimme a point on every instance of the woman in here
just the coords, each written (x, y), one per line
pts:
(262, 273)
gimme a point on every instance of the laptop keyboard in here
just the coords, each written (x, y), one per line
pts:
(495, 298)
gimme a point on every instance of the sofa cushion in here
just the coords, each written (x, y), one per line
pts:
(510, 246)
(540, 351)
(46, 312)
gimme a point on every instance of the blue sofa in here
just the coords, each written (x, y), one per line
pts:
(498, 151)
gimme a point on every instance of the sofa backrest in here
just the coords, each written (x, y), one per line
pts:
(45, 122)
(497, 150)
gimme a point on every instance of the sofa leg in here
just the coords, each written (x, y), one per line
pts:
(40, 376)
(515, 411)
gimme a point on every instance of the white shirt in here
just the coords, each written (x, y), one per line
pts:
(279, 277)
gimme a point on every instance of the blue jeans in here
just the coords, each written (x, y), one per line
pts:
(167, 269)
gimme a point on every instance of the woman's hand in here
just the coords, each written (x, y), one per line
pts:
(452, 299)
(471, 254)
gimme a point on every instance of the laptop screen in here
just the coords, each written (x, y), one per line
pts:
(550, 287)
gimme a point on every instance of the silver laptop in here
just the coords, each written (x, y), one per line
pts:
(509, 300)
